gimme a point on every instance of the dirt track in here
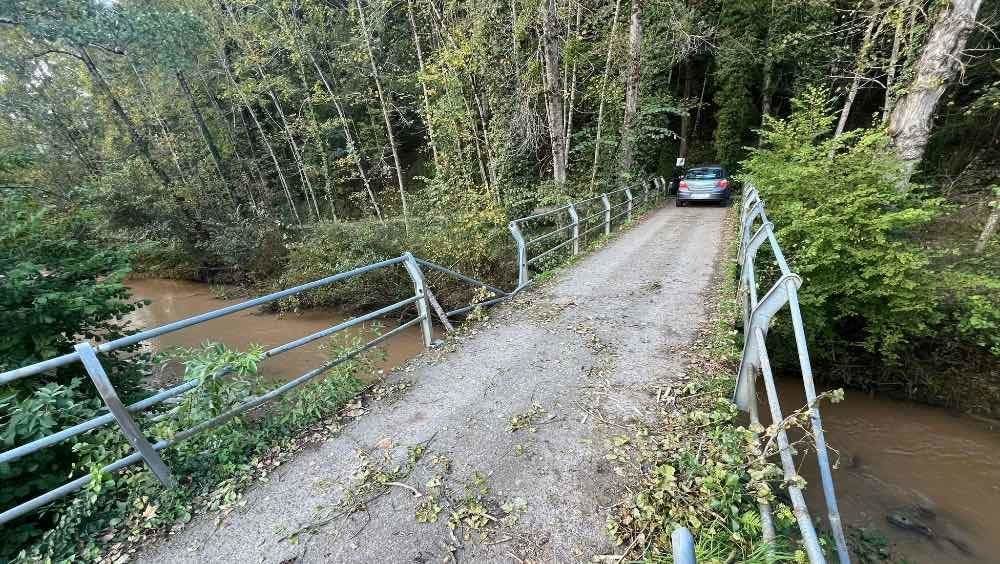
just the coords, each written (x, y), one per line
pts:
(515, 415)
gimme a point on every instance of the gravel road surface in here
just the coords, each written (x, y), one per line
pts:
(514, 417)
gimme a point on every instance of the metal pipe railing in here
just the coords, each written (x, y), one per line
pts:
(758, 312)
(517, 226)
(147, 452)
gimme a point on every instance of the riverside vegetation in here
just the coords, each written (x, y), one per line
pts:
(267, 142)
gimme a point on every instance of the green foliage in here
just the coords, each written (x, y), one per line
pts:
(58, 283)
(736, 73)
(216, 464)
(846, 230)
(50, 408)
(466, 232)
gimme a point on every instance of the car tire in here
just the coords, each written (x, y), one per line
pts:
(679, 203)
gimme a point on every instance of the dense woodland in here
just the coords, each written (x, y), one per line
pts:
(266, 142)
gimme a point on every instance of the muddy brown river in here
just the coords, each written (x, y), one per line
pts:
(172, 300)
(939, 470)
(923, 466)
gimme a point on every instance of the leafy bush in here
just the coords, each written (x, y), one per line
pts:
(846, 229)
(468, 234)
(49, 409)
(57, 285)
(215, 465)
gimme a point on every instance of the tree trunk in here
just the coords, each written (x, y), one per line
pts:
(551, 49)
(632, 88)
(483, 113)
(164, 132)
(246, 170)
(267, 144)
(911, 119)
(390, 132)
(701, 99)
(990, 229)
(423, 87)
(138, 141)
(572, 90)
(352, 147)
(768, 82)
(860, 68)
(686, 115)
(890, 73)
(67, 131)
(602, 92)
(480, 160)
(206, 134)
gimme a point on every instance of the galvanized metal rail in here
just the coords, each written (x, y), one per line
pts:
(147, 452)
(602, 218)
(758, 311)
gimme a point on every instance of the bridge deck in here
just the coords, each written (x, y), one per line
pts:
(588, 348)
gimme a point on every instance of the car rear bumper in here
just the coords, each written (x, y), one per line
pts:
(706, 196)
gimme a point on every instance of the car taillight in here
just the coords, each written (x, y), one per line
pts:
(683, 185)
(722, 183)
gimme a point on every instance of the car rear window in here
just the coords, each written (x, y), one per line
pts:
(704, 173)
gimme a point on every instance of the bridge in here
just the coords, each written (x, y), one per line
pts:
(522, 405)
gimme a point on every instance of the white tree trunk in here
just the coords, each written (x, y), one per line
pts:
(352, 147)
(911, 119)
(859, 70)
(423, 87)
(572, 88)
(389, 130)
(990, 229)
(633, 84)
(551, 48)
(890, 73)
(603, 90)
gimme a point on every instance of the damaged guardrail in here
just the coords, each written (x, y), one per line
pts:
(757, 314)
(148, 452)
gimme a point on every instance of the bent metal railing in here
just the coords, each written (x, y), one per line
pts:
(144, 451)
(758, 312)
(590, 221)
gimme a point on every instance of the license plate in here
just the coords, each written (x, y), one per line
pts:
(701, 196)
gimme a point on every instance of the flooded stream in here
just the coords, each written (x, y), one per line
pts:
(172, 300)
(934, 473)
(901, 460)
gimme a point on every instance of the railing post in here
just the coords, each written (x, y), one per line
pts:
(628, 194)
(682, 546)
(607, 214)
(420, 291)
(645, 193)
(131, 431)
(522, 254)
(822, 459)
(575, 218)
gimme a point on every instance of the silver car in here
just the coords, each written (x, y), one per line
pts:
(705, 183)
